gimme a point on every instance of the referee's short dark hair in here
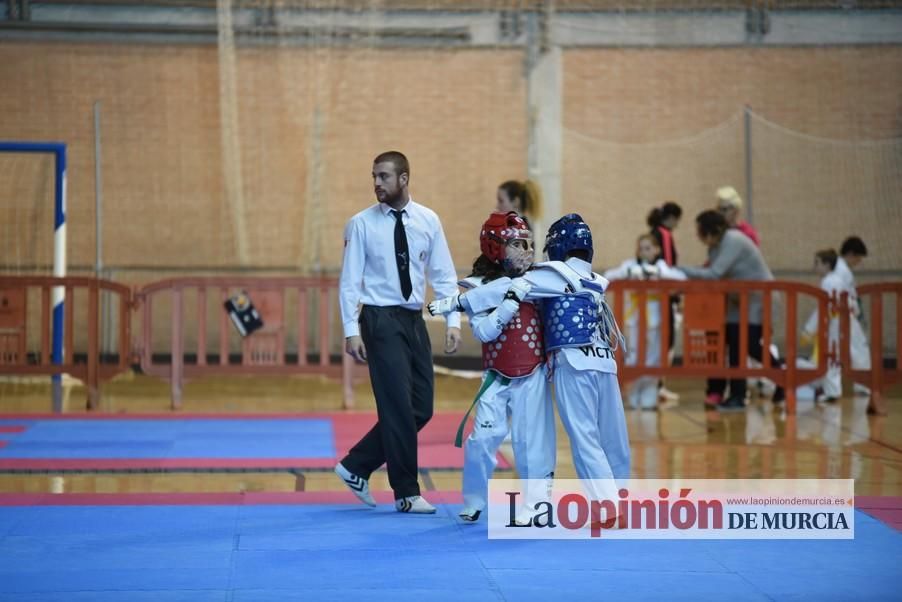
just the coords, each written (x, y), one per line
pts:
(397, 159)
(853, 246)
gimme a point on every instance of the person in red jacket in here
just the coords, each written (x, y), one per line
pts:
(663, 221)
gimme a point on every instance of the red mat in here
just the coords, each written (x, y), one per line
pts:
(436, 441)
(436, 447)
(211, 499)
(887, 509)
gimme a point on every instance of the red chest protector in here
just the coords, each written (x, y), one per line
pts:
(519, 348)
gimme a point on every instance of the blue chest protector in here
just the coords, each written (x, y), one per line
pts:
(570, 321)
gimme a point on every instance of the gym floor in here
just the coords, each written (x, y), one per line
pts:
(232, 498)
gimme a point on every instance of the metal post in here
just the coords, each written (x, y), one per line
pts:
(747, 114)
(544, 75)
(106, 341)
(98, 196)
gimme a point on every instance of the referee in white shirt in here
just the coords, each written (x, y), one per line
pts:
(391, 248)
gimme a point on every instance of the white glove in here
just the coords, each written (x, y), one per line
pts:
(518, 290)
(635, 272)
(650, 271)
(443, 307)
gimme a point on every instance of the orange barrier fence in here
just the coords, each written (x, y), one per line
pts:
(871, 297)
(17, 316)
(264, 351)
(704, 329)
(25, 304)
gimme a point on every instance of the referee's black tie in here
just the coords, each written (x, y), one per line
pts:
(402, 255)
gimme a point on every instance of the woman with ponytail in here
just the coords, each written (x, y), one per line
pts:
(662, 221)
(524, 198)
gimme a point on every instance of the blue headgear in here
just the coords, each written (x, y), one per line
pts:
(568, 234)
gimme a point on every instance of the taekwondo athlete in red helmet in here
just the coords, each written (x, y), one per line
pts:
(514, 385)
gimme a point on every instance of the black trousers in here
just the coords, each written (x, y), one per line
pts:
(738, 386)
(399, 356)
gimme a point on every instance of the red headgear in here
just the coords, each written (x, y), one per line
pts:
(500, 229)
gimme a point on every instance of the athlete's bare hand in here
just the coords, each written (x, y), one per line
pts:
(452, 340)
(355, 348)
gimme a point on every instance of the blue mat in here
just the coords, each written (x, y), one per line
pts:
(270, 553)
(170, 438)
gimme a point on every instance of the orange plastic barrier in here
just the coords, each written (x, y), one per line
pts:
(704, 353)
(262, 352)
(704, 320)
(16, 358)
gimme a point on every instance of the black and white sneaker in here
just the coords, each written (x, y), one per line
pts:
(469, 515)
(359, 486)
(414, 504)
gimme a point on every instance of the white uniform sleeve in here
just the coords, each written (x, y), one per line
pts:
(485, 297)
(350, 284)
(667, 272)
(546, 283)
(440, 271)
(487, 326)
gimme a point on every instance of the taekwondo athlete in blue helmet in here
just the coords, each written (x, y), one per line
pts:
(580, 338)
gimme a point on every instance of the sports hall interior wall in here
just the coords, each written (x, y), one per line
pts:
(639, 126)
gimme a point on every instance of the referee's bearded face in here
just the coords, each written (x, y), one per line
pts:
(387, 184)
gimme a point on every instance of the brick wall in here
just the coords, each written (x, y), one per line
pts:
(675, 116)
(641, 126)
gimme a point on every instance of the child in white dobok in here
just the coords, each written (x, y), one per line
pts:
(580, 339)
(829, 387)
(647, 265)
(514, 385)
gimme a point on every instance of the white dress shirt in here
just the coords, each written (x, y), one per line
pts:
(369, 272)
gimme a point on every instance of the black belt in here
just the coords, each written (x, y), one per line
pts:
(395, 310)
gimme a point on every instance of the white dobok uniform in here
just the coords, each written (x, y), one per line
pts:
(643, 392)
(839, 280)
(858, 341)
(524, 400)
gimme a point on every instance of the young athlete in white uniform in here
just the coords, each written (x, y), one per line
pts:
(580, 338)
(851, 254)
(829, 387)
(643, 392)
(514, 385)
